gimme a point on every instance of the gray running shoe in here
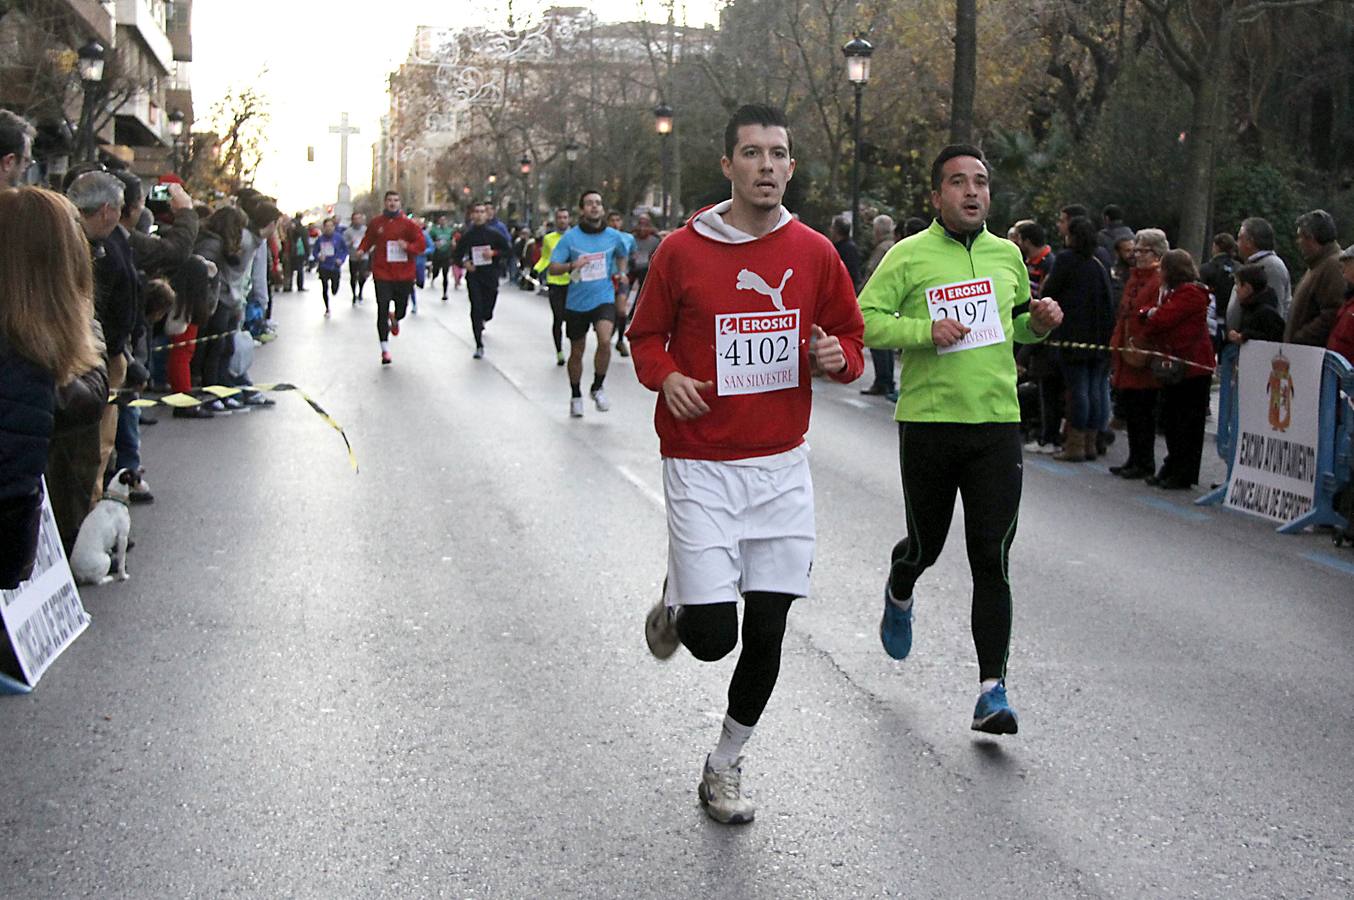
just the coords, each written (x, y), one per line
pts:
(660, 630)
(721, 793)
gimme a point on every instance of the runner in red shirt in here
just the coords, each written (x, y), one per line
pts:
(741, 306)
(393, 241)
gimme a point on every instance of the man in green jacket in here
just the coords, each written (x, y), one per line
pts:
(944, 298)
(557, 286)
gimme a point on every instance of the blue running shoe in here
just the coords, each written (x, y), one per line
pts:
(993, 714)
(895, 629)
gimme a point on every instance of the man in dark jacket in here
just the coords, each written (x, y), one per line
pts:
(1321, 292)
(298, 248)
(99, 198)
(1217, 275)
(847, 250)
(478, 251)
(159, 255)
(16, 148)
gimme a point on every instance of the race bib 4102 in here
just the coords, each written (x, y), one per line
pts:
(756, 352)
(971, 303)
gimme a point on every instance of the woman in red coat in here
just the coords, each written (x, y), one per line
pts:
(1129, 374)
(1178, 325)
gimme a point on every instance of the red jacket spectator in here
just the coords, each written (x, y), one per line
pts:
(1342, 334)
(1140, 294)
(1179, 326)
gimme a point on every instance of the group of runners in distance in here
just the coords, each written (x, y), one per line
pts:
(740, 307)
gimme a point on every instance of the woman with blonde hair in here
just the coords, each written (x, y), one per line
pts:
(46, 310)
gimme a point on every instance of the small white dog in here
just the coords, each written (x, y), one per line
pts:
(103, 534)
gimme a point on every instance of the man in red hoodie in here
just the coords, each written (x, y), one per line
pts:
(393, 241)
(740, 308)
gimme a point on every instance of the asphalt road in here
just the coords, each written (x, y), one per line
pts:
(429, 679)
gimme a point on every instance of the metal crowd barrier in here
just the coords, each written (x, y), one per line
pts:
(1335, 439)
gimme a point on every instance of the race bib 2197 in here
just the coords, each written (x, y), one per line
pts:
(971, 303)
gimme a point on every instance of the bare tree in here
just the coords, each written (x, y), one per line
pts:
(1198, 39)
(965, 82)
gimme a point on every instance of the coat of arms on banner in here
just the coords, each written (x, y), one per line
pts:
(1280, 391)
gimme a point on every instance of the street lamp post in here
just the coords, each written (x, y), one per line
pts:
(525, 165)
(90, 59)
(175, 135)
(857, 52)
(570, 156)
(662, 116)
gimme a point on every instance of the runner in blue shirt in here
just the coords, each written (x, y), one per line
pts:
(590, 253)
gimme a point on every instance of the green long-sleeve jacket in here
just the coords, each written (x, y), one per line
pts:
(970, 386)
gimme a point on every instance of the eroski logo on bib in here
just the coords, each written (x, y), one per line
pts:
(758, 352)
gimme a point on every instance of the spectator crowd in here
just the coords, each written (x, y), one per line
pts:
(108, 290)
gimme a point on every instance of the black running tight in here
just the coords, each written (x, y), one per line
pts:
(982, 464)
(710, 632)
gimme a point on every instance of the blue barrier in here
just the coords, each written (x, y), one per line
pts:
(1335, 437)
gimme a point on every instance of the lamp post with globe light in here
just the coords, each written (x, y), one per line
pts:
(857, 52)
(90, 59)
(662, 114)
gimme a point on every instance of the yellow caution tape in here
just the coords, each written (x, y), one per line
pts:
(264, 338)
(1076, 345)
(220, 392)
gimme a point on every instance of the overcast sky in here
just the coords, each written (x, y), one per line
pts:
(321, 59)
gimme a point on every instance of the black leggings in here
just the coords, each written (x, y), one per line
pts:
(1184, 411)
(1139, 406)
(483, 298)
(982, 463)
(388, 292)
(559, 294)
(710, 632)
(441, 265)
(329, 284)
(358, 270)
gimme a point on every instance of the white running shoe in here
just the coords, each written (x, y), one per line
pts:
(601, 399)
(660, 631)
(575, 407)
(721, 793)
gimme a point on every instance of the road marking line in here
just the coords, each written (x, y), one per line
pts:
(1188, 515)
(1051, 468)
(653, 496)
(852, 401)
(1331, 561)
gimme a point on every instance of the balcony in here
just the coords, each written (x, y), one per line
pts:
(141, 122)
(94, 18)
(146, 19)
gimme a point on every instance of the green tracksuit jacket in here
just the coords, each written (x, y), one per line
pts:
(971, 386)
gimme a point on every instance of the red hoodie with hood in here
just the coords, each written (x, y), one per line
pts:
(716, 300)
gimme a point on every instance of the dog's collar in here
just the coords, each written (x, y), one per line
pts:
(110, 497)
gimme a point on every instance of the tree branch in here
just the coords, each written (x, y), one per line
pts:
(1253, 11)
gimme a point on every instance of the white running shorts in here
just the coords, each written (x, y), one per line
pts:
(738, 526)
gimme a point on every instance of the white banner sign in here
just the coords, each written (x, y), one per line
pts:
(43, 615)
(1278, 401)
